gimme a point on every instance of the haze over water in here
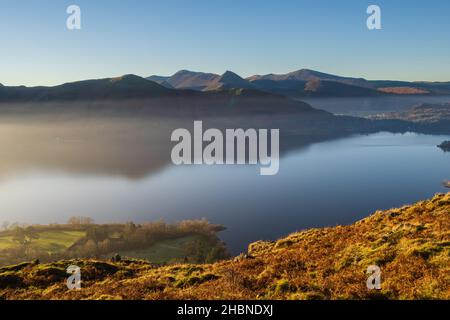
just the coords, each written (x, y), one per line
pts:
(52, 172)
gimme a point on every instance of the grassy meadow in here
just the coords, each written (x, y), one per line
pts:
(157, 242)
(50, 241)
(172, 250)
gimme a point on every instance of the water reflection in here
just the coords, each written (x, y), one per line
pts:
(119, 169)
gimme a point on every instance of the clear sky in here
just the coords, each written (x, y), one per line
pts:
(245, 36)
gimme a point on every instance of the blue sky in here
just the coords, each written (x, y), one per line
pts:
(246, 36)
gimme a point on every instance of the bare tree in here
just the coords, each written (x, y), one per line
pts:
(78, 220)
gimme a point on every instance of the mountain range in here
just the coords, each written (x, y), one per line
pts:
(301, 83)
(130, 102)
(298, 84)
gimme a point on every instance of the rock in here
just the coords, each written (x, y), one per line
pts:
(10, 280)
(260, 247)
(116, 258)
(243, 256)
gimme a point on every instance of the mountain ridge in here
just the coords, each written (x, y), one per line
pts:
(185, 79)
(295, 84)
(298, 84)
(229, 80)
(123, 87)
(308, 75)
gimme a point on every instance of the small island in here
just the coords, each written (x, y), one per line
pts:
(445, 146)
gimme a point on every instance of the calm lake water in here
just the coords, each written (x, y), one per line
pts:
(323, 184)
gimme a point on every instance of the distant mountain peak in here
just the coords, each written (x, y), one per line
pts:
(230, 76)
(127, 77)
(300, 75)
(189, 73)
(184, 71)
(186, 79)
(229, 80)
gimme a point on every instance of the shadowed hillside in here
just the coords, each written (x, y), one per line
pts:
(124, 87)
(435, 116)
(411, 245)
(425, 113)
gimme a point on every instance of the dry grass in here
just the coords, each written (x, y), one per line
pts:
(403, 90)
(411, 245)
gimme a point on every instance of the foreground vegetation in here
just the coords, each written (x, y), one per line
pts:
(411, 245)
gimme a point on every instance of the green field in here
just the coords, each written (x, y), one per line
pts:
(56, 241)
(189, 241)
(50, 241)
(167, 250)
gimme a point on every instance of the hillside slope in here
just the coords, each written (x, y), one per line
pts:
(185, 79)
(354, 86)
(411, 245)
(424, 113)
(124, 87)
(434, 116)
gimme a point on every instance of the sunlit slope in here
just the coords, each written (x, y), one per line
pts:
(411, 245)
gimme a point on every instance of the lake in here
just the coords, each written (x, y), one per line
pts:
(321, 184)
